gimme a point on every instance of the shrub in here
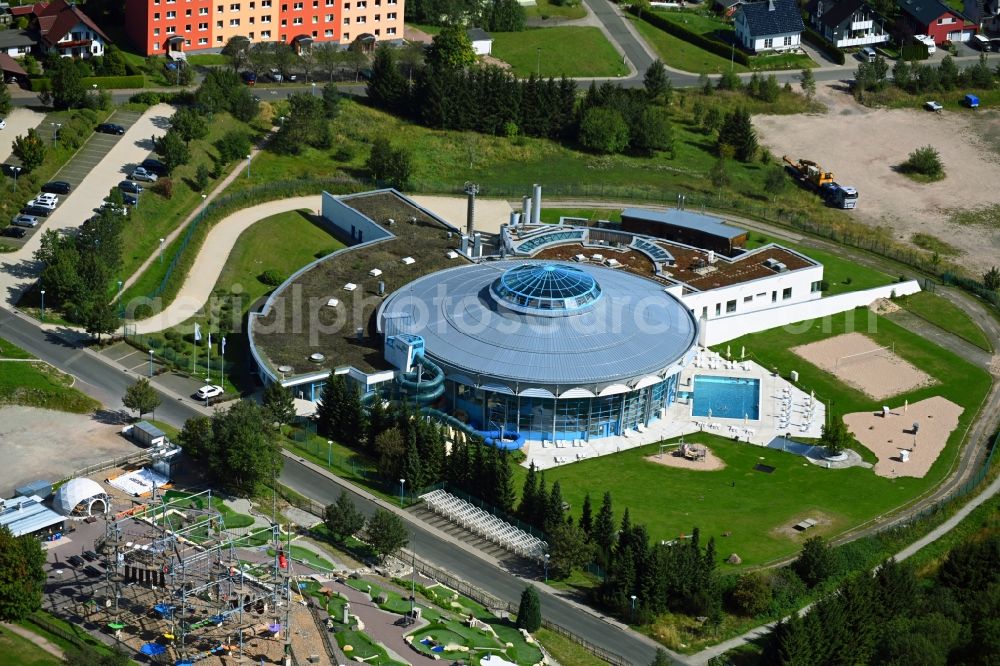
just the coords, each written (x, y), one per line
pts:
(924, 162)
(164, 187)
(271, 277)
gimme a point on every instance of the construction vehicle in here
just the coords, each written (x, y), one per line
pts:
(812, 176)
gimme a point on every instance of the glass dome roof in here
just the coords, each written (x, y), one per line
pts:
(546, 289)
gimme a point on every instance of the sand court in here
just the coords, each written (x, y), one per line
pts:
(707, 462)
(860, 362)
(890, 436)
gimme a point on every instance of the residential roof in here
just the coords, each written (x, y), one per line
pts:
(926, 11)
(59, 17)
(9, 66)
(682, 218)
(12, 38)
(478, 35)
(835, 13)
(773, 17)
(27, 10)
(27, 515)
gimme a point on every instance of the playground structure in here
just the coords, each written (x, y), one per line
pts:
(175, 588)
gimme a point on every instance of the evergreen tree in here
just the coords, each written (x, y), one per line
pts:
(505, 496)
(342, 518)
(604, 532)
(555, 514)
(352, 418)
(279, 403)
(661, 658)
(808, 81)
(738, 132)
(529, 611)
(815, 563)
(568, 549)
(328, 410)
(412, 469)
(387, 88)
(542, 506)
(526, 510)
(379, 419)
(22, 575)
(586, 516)
(655, 80)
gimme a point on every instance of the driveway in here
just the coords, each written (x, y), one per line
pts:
(19, 122)
(17, 269)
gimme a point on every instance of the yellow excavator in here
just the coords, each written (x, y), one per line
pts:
(812, 175)
(810, 172)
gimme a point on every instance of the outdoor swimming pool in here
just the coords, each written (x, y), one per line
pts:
(726, 397)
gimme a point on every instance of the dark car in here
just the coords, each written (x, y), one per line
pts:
(75, 560)
(14, 232)
(37, 211)
(249, 78)
(57, 187)
(130, 199)
(129, 186)
(154, 166)
(110, 128)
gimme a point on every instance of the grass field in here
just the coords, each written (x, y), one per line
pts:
(25, 382)
(21, 651)
(676, 52)
(943, 313)
(754, 506)
(308, 556)
(556, 52)
(544, 9)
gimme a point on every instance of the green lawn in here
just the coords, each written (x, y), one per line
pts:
(566, 651)
(948, 316)
(754, 506)
(556, 52)
(682, 55)
(21, 651)
(38, 384)
(545, 9)
(308, 556)
(231, 518)
(363, 648)
(776, 61)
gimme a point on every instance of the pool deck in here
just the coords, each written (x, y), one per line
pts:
(784, 410)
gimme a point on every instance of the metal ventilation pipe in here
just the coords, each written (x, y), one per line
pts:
(471, 190)
(526, 206)
(536, 208)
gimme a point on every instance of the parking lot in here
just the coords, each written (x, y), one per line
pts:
(18, 122)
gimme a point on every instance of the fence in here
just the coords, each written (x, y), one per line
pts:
(486, 506)
(175, 353)
(110, 464)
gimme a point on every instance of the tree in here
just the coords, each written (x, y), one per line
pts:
(808, 82)
(331, 101)
(283, 57)
(98, 317)
(555, 513)
(653, 131)
(661, 658)
(232, 146)
(386, 534)
(328, 58)
(604, 531)
(237, 49)
(835, 437)
(305, 125)
(655, 80)
(604, 130)
(196, 438)
(22, 575)
(243, 105)
(815, 563)
(328, 409)
(391, 451)
(387, 89)
(451, 49)
(388, 164)
(89, 657)
(30, 149)
(586, 516)
(246, 454)
(529, 611)
(568, 549)
(141, 397)
(189, 124)
(172, 148)
(752, 594)
(342, 518)
(5, 103)
(991, 279)
(737, 131)
(279, 403)
(719, 173)
(66, 84)
(502, 16)
(775, 180)
(260, 57)
(925, 162)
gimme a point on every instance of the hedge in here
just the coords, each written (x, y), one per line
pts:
(912, 52)
(702, 42)
(821, 42)
(103, 82)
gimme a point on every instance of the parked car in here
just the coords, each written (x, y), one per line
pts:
(110, 128)
(37, 211)
(43, 203)
(154, 166)
(933, 106)
(249, 78)
(29, 221)
(140, 173)
(3, 123)
(129, 200)
(121, 210)
(129, 186)
(57, 187)
(14, 232)
(211, 391)
(276, 76)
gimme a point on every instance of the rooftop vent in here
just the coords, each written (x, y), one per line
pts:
(285, 369)
(389, 222)
(408, 260)
(350, 286)
(452, 254)
(375, 272)
(333, 302)
(317, 358)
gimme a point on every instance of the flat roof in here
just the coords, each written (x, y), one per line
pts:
(27, 515)
(149, 429)
(682, 218)
(636, 329)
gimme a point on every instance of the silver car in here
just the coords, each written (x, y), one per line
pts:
(141, 174)
(29, 221)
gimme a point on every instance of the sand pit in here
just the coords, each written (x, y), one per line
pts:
(887, 437)
(878, 374)
(672, 458)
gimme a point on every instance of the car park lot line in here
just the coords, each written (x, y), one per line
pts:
(17, 269)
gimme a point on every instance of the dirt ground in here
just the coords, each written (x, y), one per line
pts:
(42, 444)
(880, 374)
(673, 458)
(861, 146)
(887, 437)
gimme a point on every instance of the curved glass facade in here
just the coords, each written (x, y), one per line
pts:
(566, 418)
(546, 289)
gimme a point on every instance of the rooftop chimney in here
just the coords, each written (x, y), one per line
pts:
(471, 190)
(536, 206)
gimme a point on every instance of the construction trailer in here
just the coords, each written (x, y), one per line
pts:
(811, 175)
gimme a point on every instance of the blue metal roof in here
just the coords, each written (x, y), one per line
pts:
(26, 515)
(635, 329)
(545, 289)
(774, 17)
(682, 218)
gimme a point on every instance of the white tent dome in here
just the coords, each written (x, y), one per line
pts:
(78, 496)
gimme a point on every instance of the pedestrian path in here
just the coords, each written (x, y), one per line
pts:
(40, 641)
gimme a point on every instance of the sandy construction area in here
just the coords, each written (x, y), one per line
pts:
(879, 374)
(886, 437)
(861, 146)
(672, 458)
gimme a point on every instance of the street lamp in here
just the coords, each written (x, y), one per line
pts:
(401, 483)
(547, 567)
(633, 607)
(43, 305)
(329, 452)
(16, 170)
(55, 132)
(161, 249)
(314, 89)
(281, 119)
(121, 307)
(150, 362)
(249, 157)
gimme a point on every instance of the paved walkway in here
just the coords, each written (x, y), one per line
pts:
(379, 625)
(211, 259)
(940, 336)
(40, 641)
(18, 122)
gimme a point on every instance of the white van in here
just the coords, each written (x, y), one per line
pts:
(980, 42)
(868, 54)
(928, 42)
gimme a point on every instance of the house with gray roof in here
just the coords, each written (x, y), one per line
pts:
(847, 23)
(773, 25)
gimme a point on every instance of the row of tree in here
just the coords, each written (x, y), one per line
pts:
(916, 78)
(493, 15)
(384, 532)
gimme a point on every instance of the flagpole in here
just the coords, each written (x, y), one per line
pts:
(222, 364)
(208, 352)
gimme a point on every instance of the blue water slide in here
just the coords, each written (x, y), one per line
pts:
(431, 384)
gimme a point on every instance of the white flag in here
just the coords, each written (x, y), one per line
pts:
(223, 345)
(197, 332)
(209, 341)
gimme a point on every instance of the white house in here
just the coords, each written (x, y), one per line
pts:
(847, 23)
(16, 43)
(984, 12)
(774, 25)
(482, 42)
(68, 31)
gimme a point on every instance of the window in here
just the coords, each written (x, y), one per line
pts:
(265, 4)
(347, 5)
(220, 9)
(378, 17)
(948, 20)
(361, 19)
(315, 4)
(187, 42)
(328, 33)
(731, 306)
(328, 18)
(390, 31)
(391, 16)
(769, 43)
(718, 309)
(156, 32)
(786, 293)
(315, 20)
(346, 37)
(187, 13)
(347, 20)
(156, 2)
(202, 27)
(747, 299)
(252, 19)
(234, 23)
(171, 15)
(234, 7)
(816, 286)
(774, 297)
(329, 3)
(376, 32)
(265, 19)
(361, 4)
(187, 28)
(218, 38)
(156, 46)
(218, 24)
(788, 40)
(171, 29)
(297, 6)
(297, 20)
(203, 11)
(265, 34)
(156, 16)
(202, 41)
